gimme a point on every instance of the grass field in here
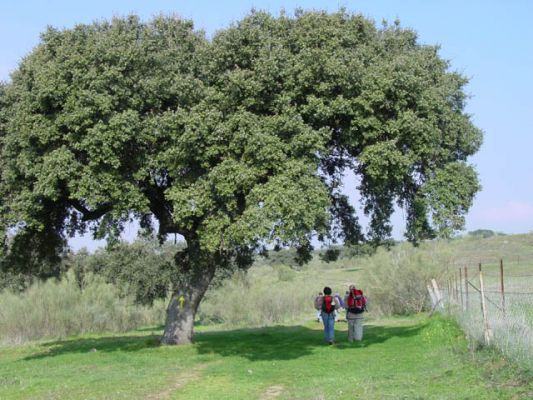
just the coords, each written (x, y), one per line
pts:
(401, 358)
(268, 347)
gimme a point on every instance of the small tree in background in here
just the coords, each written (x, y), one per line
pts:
(141, 270)
(232, 143)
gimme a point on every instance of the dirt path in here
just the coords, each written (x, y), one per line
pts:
(272, 392)
(181, 380)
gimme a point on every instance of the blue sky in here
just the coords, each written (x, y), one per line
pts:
(490, 41)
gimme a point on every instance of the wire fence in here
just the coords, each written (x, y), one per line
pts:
(494, 307)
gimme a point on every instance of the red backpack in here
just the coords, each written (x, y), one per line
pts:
(356, 302)
(328, 306)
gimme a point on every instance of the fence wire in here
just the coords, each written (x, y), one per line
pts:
(509, 315)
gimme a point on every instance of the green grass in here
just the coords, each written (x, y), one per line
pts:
(402, 358)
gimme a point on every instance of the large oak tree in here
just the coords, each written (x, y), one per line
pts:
(233, 142)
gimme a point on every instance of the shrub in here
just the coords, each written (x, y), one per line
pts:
(396, 280)
(285, 273)
(263, 297)
(482, 233)
(142, 269)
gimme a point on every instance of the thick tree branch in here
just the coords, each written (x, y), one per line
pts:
(161, 209)
(91, 215)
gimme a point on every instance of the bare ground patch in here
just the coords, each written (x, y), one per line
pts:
(272, 392)
(181, 380)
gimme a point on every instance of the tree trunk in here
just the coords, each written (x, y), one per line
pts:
(197, 273)
(179, 321)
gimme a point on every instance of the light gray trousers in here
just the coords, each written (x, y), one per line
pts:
(355, 329)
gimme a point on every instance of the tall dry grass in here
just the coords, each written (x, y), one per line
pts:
(60, 308)
(511, 331)
(264, 296)
(394, 282)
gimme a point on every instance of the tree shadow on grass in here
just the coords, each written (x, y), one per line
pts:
(375, 334)
(106, 344)
(352, 269)
(269, 343)
(254, 344)
(157, 328)
(288, 342)
(150, 328)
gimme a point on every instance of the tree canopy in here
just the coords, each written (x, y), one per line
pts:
(232, 142)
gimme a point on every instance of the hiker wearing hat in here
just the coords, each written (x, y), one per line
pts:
(355, 304)
(327, 304)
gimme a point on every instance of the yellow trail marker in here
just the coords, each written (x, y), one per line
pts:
(181, 301)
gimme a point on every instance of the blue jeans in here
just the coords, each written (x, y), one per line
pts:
(329, 326)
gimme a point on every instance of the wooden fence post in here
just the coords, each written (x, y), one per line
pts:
(502, 287)
(466, 287)
(433, 298)
(438, 295)
(461, 287)
(486, 327)
(481, 304)
(455, 289)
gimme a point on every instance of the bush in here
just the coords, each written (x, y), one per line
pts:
(396, 280)
(263, 297)
(285, 273)
(142, 269)
(482, 233)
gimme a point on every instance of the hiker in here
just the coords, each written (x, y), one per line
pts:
(340, 304)
(355, 304)
(327, 306)
(319, 312)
